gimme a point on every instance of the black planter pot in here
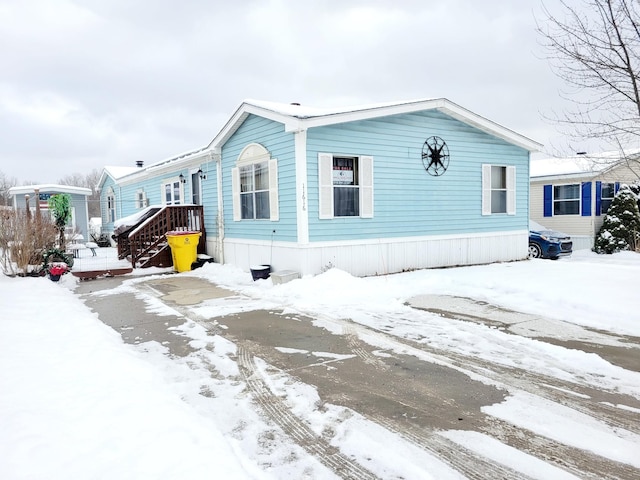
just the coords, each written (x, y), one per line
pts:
(260, 272)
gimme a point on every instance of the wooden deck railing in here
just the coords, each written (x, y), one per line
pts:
(147, 239)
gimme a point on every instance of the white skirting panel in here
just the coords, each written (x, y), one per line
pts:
(382, 256)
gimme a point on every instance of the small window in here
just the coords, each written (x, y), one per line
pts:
(111, 206)
(608, 191)
(141, 199)
(498, 189)
(172, 192)
(566, 199)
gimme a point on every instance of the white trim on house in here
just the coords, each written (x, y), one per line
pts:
(49, 187)
(302, 190)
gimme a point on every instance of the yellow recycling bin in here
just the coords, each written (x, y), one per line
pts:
(184, 249)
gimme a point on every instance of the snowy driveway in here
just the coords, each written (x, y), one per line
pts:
(454, 388)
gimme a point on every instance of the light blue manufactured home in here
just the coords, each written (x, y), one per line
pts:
(370, 190)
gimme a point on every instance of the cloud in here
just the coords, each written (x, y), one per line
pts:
(90, 83)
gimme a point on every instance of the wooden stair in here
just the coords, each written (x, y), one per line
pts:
(145, 244)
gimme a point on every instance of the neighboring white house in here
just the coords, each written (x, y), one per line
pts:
(40, 194)
(572, 194)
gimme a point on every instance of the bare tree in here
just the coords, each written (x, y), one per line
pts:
(594, 46)
(89, 180)
(5, 184)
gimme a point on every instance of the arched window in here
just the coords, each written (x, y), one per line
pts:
(255, 185)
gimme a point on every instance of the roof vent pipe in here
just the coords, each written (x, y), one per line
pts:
(295, 103)
(139, 163)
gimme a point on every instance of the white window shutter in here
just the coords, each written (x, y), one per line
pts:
(366, 187)
(235, 192)
(274, 213)
(511, 190)
(325, 185)
(486, 189)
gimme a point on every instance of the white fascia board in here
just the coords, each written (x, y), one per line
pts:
(188, 160)
(293, 124)
(565, 177)
(467, 116)
(296, 124)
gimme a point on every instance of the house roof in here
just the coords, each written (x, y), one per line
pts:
(579, 165)
(301, 117)
(49, 187)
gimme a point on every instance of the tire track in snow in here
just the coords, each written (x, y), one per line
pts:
(279, 413)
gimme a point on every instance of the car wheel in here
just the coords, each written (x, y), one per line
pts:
(534, 250)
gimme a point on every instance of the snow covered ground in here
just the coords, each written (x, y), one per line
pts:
(78, 403)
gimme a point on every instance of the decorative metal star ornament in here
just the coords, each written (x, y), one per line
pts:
(435, 156)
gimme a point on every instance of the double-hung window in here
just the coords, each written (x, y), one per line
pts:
(254, 191)
(141, 199)
(254, 183)
(345, 186)
(607, 192)
(172, 192)
(111, 205)
(498, 189)
(566, 199)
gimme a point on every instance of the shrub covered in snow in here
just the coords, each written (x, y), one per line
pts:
(621, 224)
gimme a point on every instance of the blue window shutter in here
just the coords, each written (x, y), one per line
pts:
(586, 199)
(548, 200)
(598, 198)
(617, 187)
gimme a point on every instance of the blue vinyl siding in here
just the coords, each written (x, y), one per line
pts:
(126, 195)
(407, 200)
(280, 145)
(210, 198)
(105, 187)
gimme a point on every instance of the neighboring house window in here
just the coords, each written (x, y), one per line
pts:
(141, 199)
(254, 183)
(607, 192)
(111, 206)
(498, 189)
(570, 199)
(346, 186)
(566, 199)
(172, 192)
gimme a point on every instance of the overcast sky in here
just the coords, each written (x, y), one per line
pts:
(89, 83)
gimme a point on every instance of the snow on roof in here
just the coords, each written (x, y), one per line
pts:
(578, 164)
(304, 111)
(296, 117)
(118, 171)
(49, 187)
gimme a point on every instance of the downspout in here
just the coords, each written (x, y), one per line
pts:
(220, 209)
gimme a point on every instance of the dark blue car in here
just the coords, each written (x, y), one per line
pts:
(545, 243)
